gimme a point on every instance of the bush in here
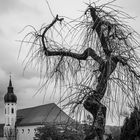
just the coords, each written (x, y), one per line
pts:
(131, 128)
(54, 132)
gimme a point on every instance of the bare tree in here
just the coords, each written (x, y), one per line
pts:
(96, 53)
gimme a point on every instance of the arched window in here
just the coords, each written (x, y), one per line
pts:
(34, 130)
(5, 110)
(28, 131)
(12, 110)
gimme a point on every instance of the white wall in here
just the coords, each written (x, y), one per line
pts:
(2, 138)
(10, 118)
(26, 132)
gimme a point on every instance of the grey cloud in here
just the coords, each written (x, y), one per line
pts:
(3, 90)
(2, 93)
(1, 112)
(2, 33)
(8, 6)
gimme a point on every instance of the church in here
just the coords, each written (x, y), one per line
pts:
(22, 124)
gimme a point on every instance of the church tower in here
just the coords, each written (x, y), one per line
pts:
(10, 101)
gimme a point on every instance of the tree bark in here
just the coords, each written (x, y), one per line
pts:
(106, 67)
(98, 112)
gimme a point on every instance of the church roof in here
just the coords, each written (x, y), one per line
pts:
(48, 113)
(10, 97)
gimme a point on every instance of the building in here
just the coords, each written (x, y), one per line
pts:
(21, 124)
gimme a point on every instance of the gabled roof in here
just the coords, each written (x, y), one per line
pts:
(49, 113)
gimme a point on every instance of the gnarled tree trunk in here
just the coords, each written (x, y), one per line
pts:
(112, 48)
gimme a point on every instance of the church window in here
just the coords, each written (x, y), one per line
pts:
(12, 110)
(5, 110)
(28, 131)
(34, 130)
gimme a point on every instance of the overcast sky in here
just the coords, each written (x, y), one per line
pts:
(14, 16)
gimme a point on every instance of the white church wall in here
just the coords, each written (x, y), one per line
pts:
(26, 132)
(2, 138)
(10, 113)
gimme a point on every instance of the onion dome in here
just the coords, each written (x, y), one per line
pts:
(10, 97)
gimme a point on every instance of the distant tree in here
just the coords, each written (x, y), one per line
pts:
(44, 133)
(115, 132)
(131, 128)
(95, 55)
(53, 132)
(109, 137)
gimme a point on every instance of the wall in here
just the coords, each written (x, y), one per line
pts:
(10, 117)
(26, 132)
(2, 138)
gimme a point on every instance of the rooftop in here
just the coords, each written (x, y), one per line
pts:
(48, 113)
